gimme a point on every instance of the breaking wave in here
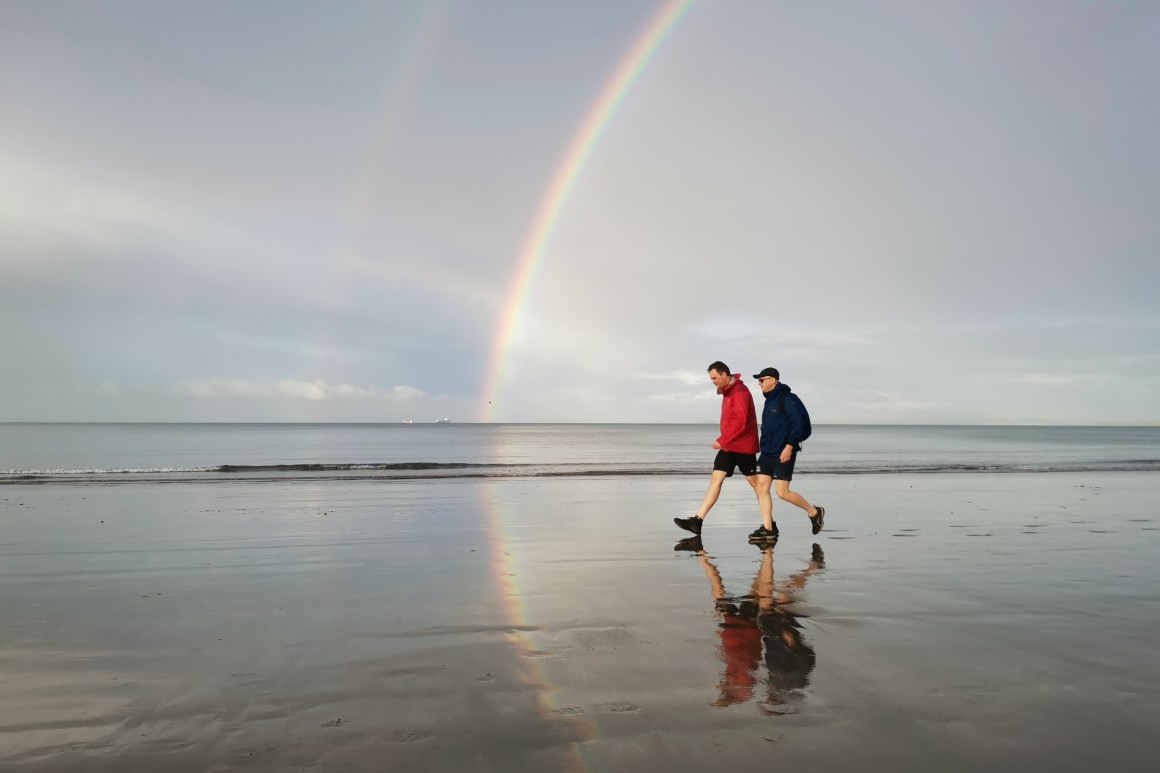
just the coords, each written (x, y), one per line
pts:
(321, 471)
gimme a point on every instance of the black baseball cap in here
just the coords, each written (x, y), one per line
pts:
(768, 372)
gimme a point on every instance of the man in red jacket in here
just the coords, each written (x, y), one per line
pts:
(736, 448)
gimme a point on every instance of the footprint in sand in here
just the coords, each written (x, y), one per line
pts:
(409, 736)
(603, 708)
(617, 708)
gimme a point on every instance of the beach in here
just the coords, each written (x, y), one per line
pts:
(962, 621)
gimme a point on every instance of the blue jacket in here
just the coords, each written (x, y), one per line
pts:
(780, 429)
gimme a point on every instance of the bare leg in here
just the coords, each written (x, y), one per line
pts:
(781, 487)
(715, 583)
(764, 500)
(762, 588)
(797, 580)
(711, 495)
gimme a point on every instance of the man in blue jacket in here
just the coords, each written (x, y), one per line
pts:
(783, 427)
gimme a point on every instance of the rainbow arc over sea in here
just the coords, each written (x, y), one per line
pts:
(619, 84)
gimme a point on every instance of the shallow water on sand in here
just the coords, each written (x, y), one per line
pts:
(957, 621)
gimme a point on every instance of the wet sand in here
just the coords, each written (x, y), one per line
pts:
(951, 622)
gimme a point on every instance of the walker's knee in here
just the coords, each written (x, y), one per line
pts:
(785, 494)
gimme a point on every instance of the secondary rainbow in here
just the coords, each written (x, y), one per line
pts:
(564, 180)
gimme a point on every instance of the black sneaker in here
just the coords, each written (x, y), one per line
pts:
(762, 534)
(692, 523)
(816, 520)
(690, 543)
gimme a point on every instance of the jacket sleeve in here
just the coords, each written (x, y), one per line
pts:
(796, 420)
(732, 419)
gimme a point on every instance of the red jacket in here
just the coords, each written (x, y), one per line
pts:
(738, 418)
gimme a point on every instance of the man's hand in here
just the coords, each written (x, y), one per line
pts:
(716, 446)
(786, 454)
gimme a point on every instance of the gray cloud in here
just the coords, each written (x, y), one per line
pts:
(919, 212)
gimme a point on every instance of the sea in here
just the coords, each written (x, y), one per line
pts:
(63, 453)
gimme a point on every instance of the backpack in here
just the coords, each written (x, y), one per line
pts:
(808, 428)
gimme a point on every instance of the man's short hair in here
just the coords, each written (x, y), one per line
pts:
(720, 367)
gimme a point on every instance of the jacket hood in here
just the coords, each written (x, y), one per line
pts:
(736, 380)
(781, 388)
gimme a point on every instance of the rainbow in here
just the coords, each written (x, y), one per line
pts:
(642, 50)
(395, 102)
(520, 632)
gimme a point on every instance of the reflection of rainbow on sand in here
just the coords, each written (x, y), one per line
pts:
(532, 664)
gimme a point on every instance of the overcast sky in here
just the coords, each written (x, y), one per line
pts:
(920, 212)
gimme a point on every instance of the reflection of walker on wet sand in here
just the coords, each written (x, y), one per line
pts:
(759, 624)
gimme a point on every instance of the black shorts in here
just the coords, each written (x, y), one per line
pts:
(771, 465)
(726, 461)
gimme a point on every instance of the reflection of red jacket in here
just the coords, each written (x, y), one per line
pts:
(738, 418)
(741, 651)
